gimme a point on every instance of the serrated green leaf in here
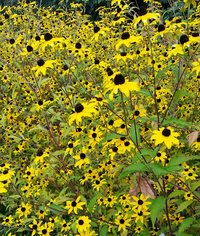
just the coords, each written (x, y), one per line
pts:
(136, 168)
(135, 134)
(92, 202)
(109, 137)
(160, 73)
(104, 230)
(185, 224)
(176, 193)
(178, 160)
(116, 169)
(158, 168)
(178, 95)
(55, 208)
(195, 185)
(183, 206)
(124, 173)
(155, 207)
(146, 92)
(57, 153)
(133, 180)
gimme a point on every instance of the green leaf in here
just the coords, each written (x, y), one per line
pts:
(104, 230)
(2, 216)
(178, 160)
(176, 121)
(195, 185)
(175, 71)
(133, 180)
(178, 95)
(109, 137)
(57, 153)
(183, 206)
(124, 173)
(146, 92)
(160, 73)
(136, 168)
(158, 168)
(53, 207)
(176, 193)
(155, 208)
(135, 134)
(92, 202)
(116, 169)
(185, 224)
(38, 127)
(62, 191)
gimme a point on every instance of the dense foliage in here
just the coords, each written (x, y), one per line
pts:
(99, 122)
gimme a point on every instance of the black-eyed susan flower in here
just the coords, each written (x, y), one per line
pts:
(120, 83)
(6, 174)
(188, 196)
(110, 201)
(45, 230)
(98, 183)
(177, 219)
(2, 188)
(41, 214)
(83, 223)
(196, 65)
(82, 158)
(24, 209)
(42, 66)
(7, 220)
(122, 222)
(35, 226)
(139, 215)
(65, 225)
(74, 205)
(166, 135)
(82, 110)
(140, 203)
(127, 39)
(144, 16)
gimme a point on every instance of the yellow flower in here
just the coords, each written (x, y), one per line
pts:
(140, 203)
(83, 223)
(166, 135)
(81, 110)
(197, 66)
(24, 210)
(126, 39)
(122, 221)
(74, 205)
(119, 83)
(42, 66)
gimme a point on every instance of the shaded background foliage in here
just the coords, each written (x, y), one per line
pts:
(92, 5)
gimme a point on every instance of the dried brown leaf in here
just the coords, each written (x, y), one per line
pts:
(192, 137)
(143, 185)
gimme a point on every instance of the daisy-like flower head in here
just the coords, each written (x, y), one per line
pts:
(127, 39)
(140, 203)
(166, 135)
(74, 205)
(83, 223)
(42, 66)
(122, 221)
(81, 110)
(120, 83)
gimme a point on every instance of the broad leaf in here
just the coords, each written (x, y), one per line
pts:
(155, 208)
(185, 224)
(92, 202)
(183, 206)
(135, 134)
